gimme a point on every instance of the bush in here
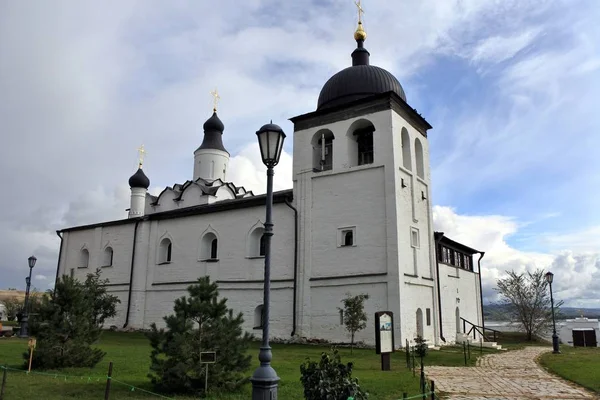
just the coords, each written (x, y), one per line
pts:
(201, 322)
(69, 321)
(329, 379)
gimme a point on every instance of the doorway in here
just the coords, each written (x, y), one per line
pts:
(584, 338)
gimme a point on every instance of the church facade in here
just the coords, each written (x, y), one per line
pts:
(357, 220)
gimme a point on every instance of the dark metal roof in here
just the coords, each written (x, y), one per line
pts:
(213, 134)
(454, 244)
(358, 82)
(139, 180)
(225, 205)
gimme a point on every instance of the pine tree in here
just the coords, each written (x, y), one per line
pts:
(69, 320)
(355, 318)
(202, 322)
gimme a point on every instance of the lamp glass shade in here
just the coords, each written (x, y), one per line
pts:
(549, 277)
(270, 140)
(31, 261)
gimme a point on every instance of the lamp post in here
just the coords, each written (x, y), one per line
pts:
(25, 318)
(265, 379)
(555, 349)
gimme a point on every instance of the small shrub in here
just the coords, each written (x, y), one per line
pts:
(329, 379)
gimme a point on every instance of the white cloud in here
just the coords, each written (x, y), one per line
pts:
(574, 271)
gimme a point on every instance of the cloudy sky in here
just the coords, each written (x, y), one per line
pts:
(510, 86)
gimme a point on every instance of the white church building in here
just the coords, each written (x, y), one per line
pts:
(357, 220)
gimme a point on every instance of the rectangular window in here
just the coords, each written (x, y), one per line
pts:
(446, 256)
(458, 259)
(341, 317)
(72, 272)
(428, 316)
(414, 237)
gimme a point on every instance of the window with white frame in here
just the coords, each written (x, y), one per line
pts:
(347, 236)
(84, 261)
(209, 247)
(165, 251)
(256, 243)
(107, 257)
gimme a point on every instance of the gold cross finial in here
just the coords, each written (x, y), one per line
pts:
(141, 153)
(360, 11)
(216, 99)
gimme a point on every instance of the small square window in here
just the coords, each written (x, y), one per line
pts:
(347, 237)
(414, 237)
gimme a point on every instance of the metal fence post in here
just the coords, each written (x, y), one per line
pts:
(465, 352)
(432, 390)
(3, 382)
(108, 379)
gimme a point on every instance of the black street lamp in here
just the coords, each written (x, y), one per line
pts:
(555, 349)
(265, 379)
(25, 318)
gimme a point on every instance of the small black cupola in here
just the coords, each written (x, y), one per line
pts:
(213, 134)
(139, 180)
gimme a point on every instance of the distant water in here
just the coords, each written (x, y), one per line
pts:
(505, 326)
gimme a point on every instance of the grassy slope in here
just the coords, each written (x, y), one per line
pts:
(130, 354)
(577, 364)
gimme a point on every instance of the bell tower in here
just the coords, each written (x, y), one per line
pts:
(361, 184)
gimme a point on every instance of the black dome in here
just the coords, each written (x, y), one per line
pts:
(357, 82)
(214, 123)
(139, 180)
(213, 134)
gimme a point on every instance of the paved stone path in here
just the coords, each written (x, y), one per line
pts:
(513, 375)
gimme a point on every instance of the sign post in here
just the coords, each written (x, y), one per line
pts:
(32, 342)
(384, 337)
(207, 357)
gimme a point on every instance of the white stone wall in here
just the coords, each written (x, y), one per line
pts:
(459, 290)
(565, 330)
(210, 164)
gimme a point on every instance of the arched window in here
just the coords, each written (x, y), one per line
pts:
(213, 248)
(107, 258)
(419, 322)
(406, 158)
(209, 247)
(262, 246)
(360, 143)
(322, 144)
(165, 251)
(259, 317)
(256, 243)
(85, 259)
(419, 159)
(348, 238)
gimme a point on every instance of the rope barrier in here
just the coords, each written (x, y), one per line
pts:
(89, 379)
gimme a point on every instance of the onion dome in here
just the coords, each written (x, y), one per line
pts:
(213, 132)
(139, 180)
(358, 81)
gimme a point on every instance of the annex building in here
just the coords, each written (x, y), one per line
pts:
(357, 220)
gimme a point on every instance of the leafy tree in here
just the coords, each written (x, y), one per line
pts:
(355, 317)
(12, 306)
(68, 321)
(526, 302)
(330, 379)
(202, 322)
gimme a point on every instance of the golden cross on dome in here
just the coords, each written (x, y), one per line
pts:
(141, 153)
(360, 11)
(216, 99)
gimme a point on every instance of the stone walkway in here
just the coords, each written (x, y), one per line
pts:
(512, 375)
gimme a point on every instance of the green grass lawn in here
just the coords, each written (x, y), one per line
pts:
(577, 364)
(130, 353)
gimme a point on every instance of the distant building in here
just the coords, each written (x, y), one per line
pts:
(358, 220)
(580, 332)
